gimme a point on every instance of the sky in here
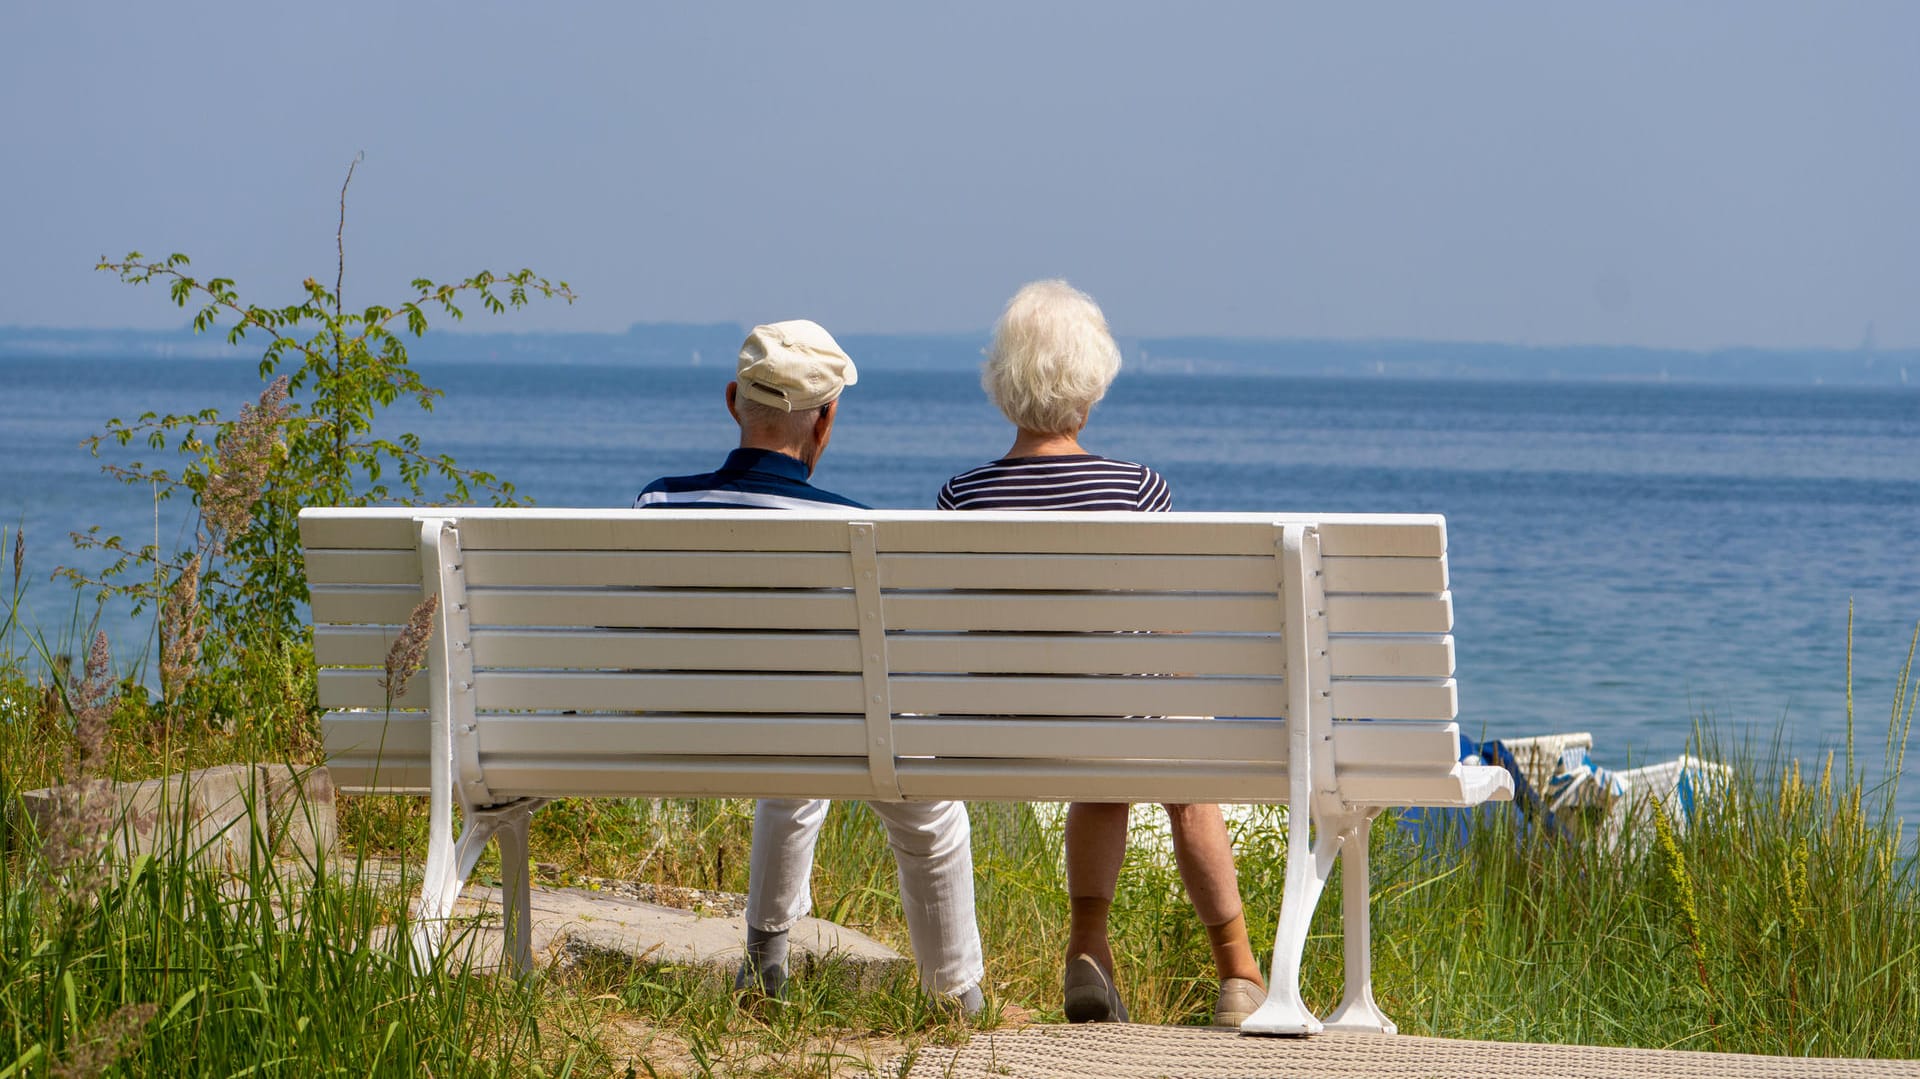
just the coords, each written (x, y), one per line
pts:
(1693, 175)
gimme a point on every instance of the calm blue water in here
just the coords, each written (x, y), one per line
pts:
(1627, 558)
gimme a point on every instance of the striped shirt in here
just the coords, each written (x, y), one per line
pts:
(749, 480)
(1080, 481)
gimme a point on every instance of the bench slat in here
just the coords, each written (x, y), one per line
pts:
(707, 569)
(1104, 738)
(600, 691)
(359, 687)
(368, 751)
(586, 649)
(387, 605)
(363, 567)
(996, 779)
(1464, 785)
(1387, 535)
(659, 530)
(931, 653)
(836, 651)
(1406, 745)
(366, 775)
(1040, 653)
(354, 687)
(619, 691)
(824, 693)
(662, 608)
(1081, 612)
(352, 646)
(1410, 698)
(1172, 781)
(902, 611)
(1385, 574)
(974, 780)
(1393, 752)
(670, 734)
(1379, 538)
(1359, 745)
(356, 740)
(1384, 656)
(343, 687)
(745, 569)
(359, 529)
(960, 611)
(404, 736)
(730, 776)
(846, 778)
(401, 736)
(1390, 614)
(656, 569)
(1120, 533)
(1086, 695)
(1390, 656)
(1061, 573)
(1371, 745)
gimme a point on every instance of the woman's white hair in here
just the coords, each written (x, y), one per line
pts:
(1052, 358)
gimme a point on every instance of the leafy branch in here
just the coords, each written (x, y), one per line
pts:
(309, 440)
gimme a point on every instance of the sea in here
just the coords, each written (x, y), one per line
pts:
(1640, 560)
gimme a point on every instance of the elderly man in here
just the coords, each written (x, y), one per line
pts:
(785, 399)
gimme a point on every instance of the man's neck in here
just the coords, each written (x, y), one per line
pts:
(798, 453)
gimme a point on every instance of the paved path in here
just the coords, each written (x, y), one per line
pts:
(1137, 1051)
(569, 923)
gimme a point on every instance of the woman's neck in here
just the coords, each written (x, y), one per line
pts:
(1041, 444)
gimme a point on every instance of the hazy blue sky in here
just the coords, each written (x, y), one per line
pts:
(1646, 173)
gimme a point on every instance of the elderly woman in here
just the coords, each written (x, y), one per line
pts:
(1051, 360)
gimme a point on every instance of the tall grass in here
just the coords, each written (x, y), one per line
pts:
(1783, 918)
(1784, 921)
(231, 980)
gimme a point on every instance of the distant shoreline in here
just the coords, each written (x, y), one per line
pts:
(672, 345)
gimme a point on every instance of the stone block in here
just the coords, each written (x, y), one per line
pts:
(300, 811)
(222, 817)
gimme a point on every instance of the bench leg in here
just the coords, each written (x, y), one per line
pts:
(1358, 1010)
(450, 863)
(516, 889)
(1284, 1011)
(439, 884)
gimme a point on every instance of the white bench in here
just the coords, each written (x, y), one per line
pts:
(901, 656)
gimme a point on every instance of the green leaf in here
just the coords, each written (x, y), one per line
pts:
(180, 1003)
(34, 1052)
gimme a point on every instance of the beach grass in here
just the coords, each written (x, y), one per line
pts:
(1782, 918)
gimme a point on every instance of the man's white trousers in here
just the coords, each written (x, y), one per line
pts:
(933, 853)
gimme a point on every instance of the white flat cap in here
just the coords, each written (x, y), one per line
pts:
(794, 366)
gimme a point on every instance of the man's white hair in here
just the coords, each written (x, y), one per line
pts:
(1052, 358)
(792, 427)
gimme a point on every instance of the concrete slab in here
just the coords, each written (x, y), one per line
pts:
(573, 925)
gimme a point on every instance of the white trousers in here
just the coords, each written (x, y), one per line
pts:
(932, 852)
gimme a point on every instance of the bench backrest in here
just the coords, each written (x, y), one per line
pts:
(890, 654)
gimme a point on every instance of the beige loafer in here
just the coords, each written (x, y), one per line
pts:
(1238, 999)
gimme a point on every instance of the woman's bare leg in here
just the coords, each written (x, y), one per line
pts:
(1205, 856)
(1096, 845)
